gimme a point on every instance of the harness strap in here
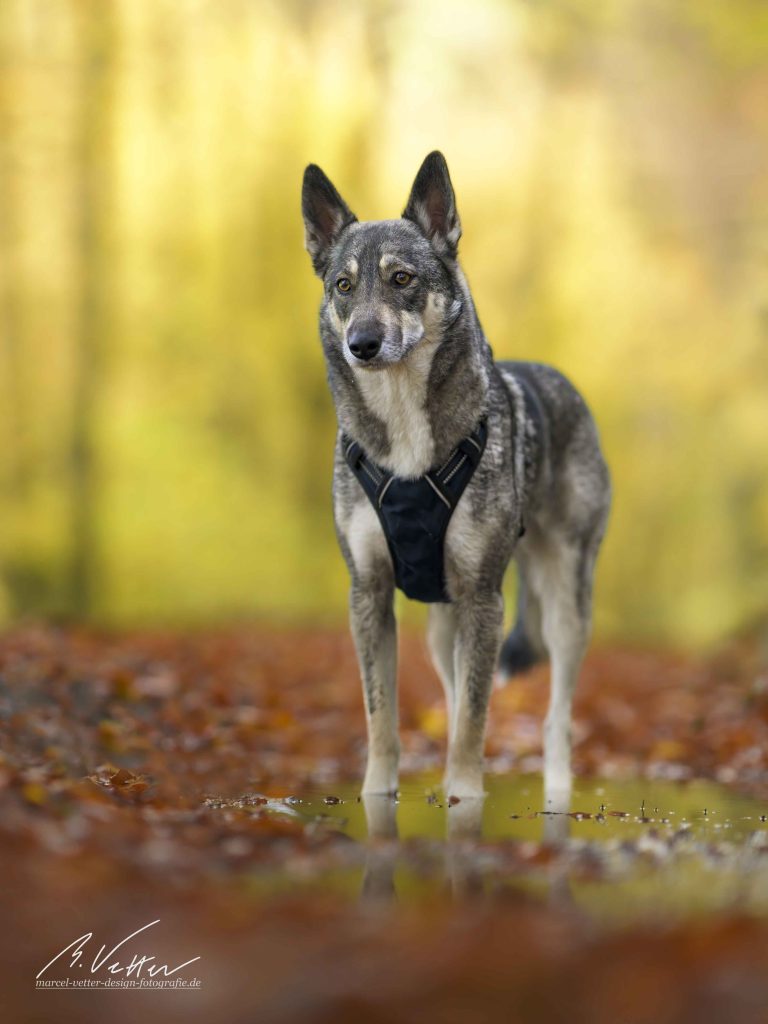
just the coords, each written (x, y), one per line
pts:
(414, 514)
(378, 479)
(469, 448)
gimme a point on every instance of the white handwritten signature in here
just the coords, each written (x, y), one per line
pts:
(104, 958)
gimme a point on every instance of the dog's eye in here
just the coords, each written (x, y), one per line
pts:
(344, 284)
(402, 278)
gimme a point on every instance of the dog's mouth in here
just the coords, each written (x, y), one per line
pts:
(377, 362)
(373, 364)
(385, 361)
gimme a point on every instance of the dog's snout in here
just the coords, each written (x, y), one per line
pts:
(364, 343)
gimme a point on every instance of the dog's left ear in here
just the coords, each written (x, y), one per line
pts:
(325, 216)
(432, 205)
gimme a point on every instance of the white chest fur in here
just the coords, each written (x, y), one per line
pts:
(397, 395)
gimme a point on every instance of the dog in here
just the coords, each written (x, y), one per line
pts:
(447, 466)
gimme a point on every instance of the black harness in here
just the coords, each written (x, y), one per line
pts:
(414, 514)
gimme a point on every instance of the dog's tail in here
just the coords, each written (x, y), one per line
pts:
(523, 647)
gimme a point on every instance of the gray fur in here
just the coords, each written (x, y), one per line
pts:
(432, 378)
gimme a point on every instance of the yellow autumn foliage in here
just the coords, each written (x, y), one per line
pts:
(164, 421)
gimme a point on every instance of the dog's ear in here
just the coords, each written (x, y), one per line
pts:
(325, 216)
(432, 205)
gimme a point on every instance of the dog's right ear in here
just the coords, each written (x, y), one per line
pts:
(325, 216)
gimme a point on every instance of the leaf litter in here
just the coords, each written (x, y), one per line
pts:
(209, 778)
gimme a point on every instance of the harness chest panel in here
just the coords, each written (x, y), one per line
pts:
(415, 514)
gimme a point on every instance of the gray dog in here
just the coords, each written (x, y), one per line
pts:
(447, 465)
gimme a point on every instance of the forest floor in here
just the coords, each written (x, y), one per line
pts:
(201, 786)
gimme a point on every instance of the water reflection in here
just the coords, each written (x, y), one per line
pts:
(463, 872)
(618, 848)
(380, 858)
(462, 866)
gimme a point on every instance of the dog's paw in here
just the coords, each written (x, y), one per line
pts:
(380, 779)
(557, 791)
(465, 785)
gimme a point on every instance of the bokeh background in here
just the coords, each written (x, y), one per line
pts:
(165, 429)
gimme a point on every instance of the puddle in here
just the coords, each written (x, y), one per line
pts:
(626, 850)
(514, 809)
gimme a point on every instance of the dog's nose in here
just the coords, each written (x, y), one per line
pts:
(364, 345)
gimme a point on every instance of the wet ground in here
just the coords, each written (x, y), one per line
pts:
(626, 851)
(208, 782)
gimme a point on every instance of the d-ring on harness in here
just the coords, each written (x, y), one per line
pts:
(414, 514)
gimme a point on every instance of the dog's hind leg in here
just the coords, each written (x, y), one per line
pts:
(441, 640)
(524, 645)
(561, 574)
(375, 635)
(479, 620)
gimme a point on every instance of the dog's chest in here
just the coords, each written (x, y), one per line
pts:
(398, 397)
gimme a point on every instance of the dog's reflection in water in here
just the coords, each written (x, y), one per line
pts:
(462, 864)
(557, 830)
(380, 861)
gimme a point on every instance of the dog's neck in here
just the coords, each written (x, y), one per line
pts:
(410, 416)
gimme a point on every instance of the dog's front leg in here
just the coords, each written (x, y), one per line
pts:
(479, 620)
(375, 635)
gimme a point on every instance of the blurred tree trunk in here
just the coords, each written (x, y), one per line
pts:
(15, 465)
(97, 39)
(15, 476)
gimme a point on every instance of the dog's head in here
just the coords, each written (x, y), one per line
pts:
(389, 285)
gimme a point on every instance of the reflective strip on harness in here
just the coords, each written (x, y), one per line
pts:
(414, 514)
